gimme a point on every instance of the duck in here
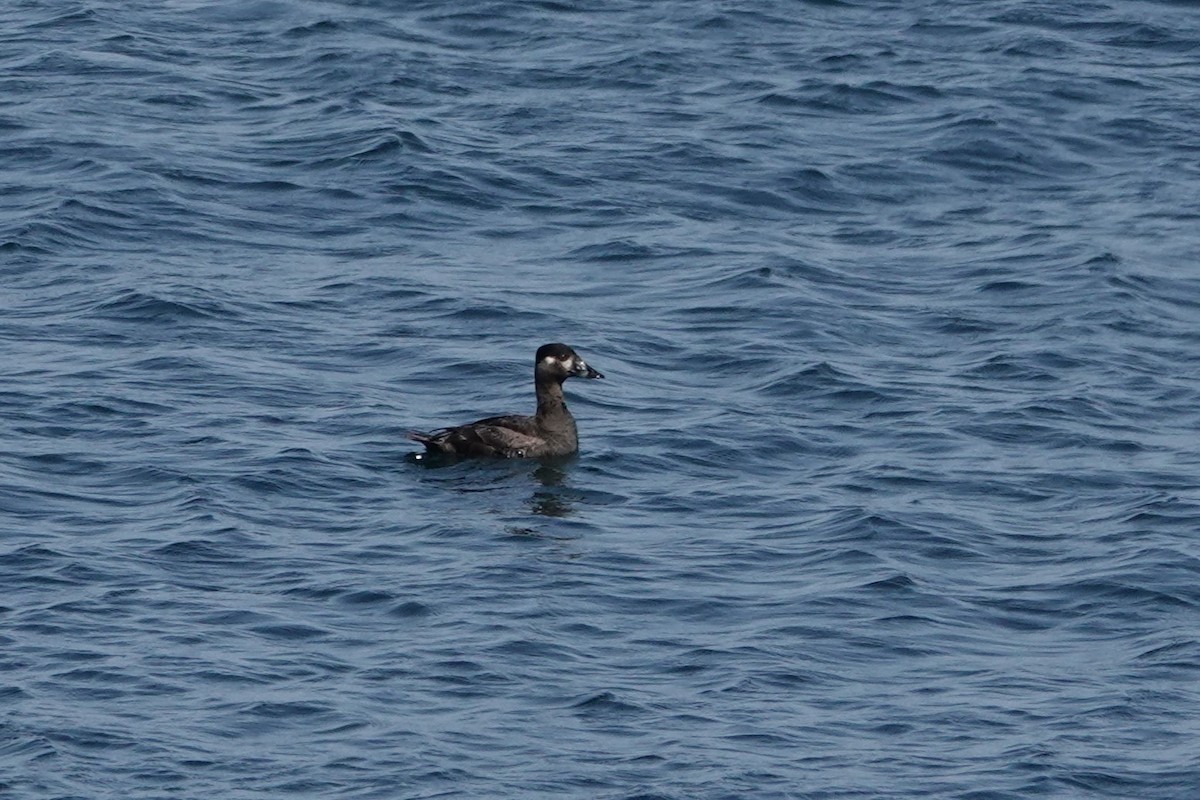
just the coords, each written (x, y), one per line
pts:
(548, 433)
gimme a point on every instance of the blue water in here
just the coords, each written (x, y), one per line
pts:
(892, 490)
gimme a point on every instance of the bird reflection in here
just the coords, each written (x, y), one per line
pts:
(553, 498)
(550, 501)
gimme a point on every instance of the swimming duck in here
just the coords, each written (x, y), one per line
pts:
(549, 432)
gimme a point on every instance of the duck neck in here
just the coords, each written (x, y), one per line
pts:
(550, 400)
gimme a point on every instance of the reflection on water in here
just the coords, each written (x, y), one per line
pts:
(553, 500)
(549, 504)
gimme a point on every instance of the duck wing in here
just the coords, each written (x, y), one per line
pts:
(518, 423)
(510, 436)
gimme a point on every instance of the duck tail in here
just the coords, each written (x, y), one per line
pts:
(435, 441)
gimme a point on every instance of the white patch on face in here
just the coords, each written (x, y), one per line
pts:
(548, 360)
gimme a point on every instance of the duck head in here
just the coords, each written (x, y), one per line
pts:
(558, 362)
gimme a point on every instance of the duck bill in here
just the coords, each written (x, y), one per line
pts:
(584, 371)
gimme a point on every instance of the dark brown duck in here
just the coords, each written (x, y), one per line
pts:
(549, 432)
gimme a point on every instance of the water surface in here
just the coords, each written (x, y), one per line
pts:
(892, 489)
